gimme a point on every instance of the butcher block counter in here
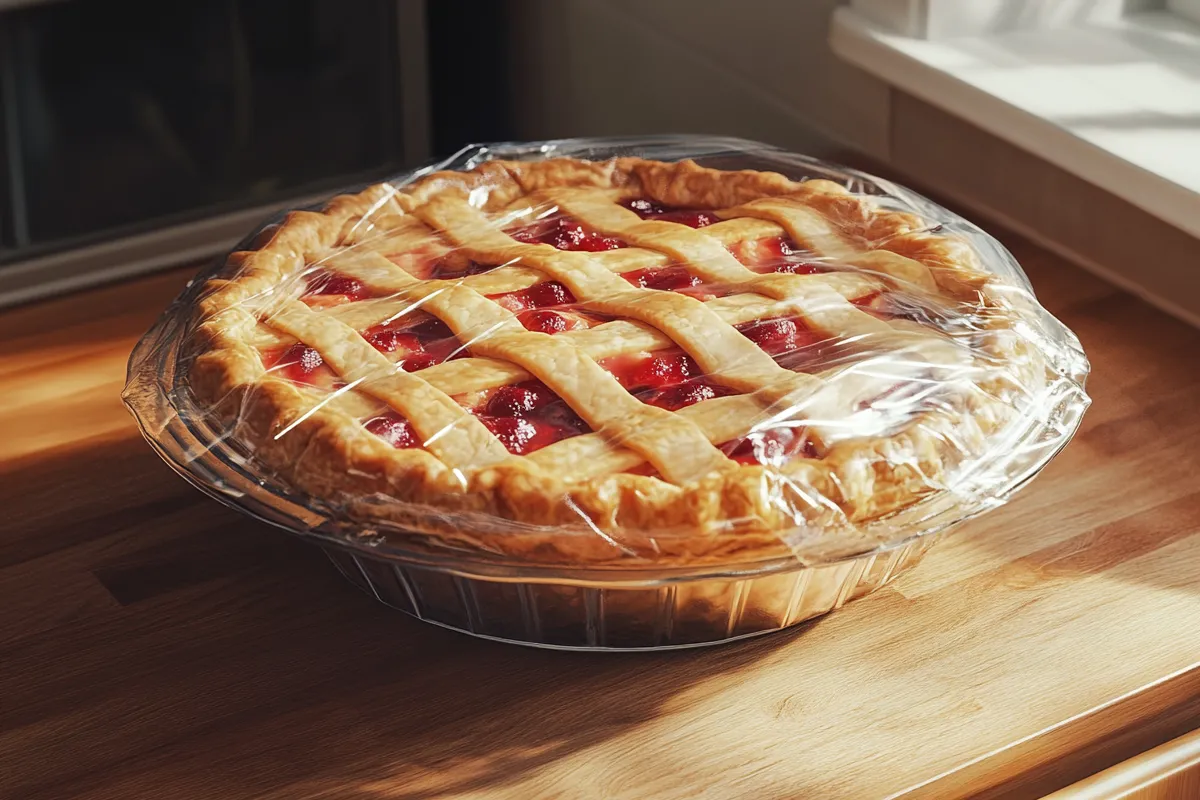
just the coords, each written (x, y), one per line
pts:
(155, 644)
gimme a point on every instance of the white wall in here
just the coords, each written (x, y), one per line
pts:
(761, 69)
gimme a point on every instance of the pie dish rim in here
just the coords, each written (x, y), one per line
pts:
(686, 529)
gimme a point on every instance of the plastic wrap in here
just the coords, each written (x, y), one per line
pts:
(589, 393)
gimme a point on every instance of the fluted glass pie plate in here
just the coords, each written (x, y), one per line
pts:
(619, 606)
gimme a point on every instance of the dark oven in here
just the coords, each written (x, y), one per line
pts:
(139, 133)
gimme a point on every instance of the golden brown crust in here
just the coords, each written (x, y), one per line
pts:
(515, 508)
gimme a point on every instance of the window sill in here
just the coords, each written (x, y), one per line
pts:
(1117, 104)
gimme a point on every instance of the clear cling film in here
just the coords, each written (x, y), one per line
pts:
(625, 393)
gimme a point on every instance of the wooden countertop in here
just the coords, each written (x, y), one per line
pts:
(154, 644)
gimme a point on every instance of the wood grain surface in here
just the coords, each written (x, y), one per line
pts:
(154, 644)
(1168, 772)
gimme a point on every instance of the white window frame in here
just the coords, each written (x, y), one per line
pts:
(966, 57)
(939, 19)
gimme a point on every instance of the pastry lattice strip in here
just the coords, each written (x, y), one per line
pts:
(676, 447)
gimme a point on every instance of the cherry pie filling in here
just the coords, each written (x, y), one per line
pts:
(393, 429)
(565, 233)
(533, 305)
(667, 378)
(415, 346)
(692, 217)
(777, 254)
(546, 294)
(525, 417)
(325, 288)
(780, 336)
(672, 380)
(528, 416)
(771, 447)
(301, 364)
(674, 278)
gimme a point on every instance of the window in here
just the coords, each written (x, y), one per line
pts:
(1106, 89)
(139, 133)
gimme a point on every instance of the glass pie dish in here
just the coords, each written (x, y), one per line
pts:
(613, 394)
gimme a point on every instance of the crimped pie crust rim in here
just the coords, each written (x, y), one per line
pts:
(687, 525)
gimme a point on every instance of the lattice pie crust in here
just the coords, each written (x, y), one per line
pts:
(912, 362)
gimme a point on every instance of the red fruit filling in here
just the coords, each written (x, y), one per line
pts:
(668, 379)
(777, 254)
(518, 400)
(419, 361)
(389, 340)
(528, 416)
(869, 302)
(518, 435)
(541, 295)
(323, 282)
(393, 429)
(416, 346)
(432, 330)
(692, 217)
(657, 370)
(771, 447)
(684, 395)
(544, 322)
(299, 363)
(780, 335)
(665, 279)
(565, 234)
(549, 293)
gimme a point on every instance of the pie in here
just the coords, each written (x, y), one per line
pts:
(587, 362)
